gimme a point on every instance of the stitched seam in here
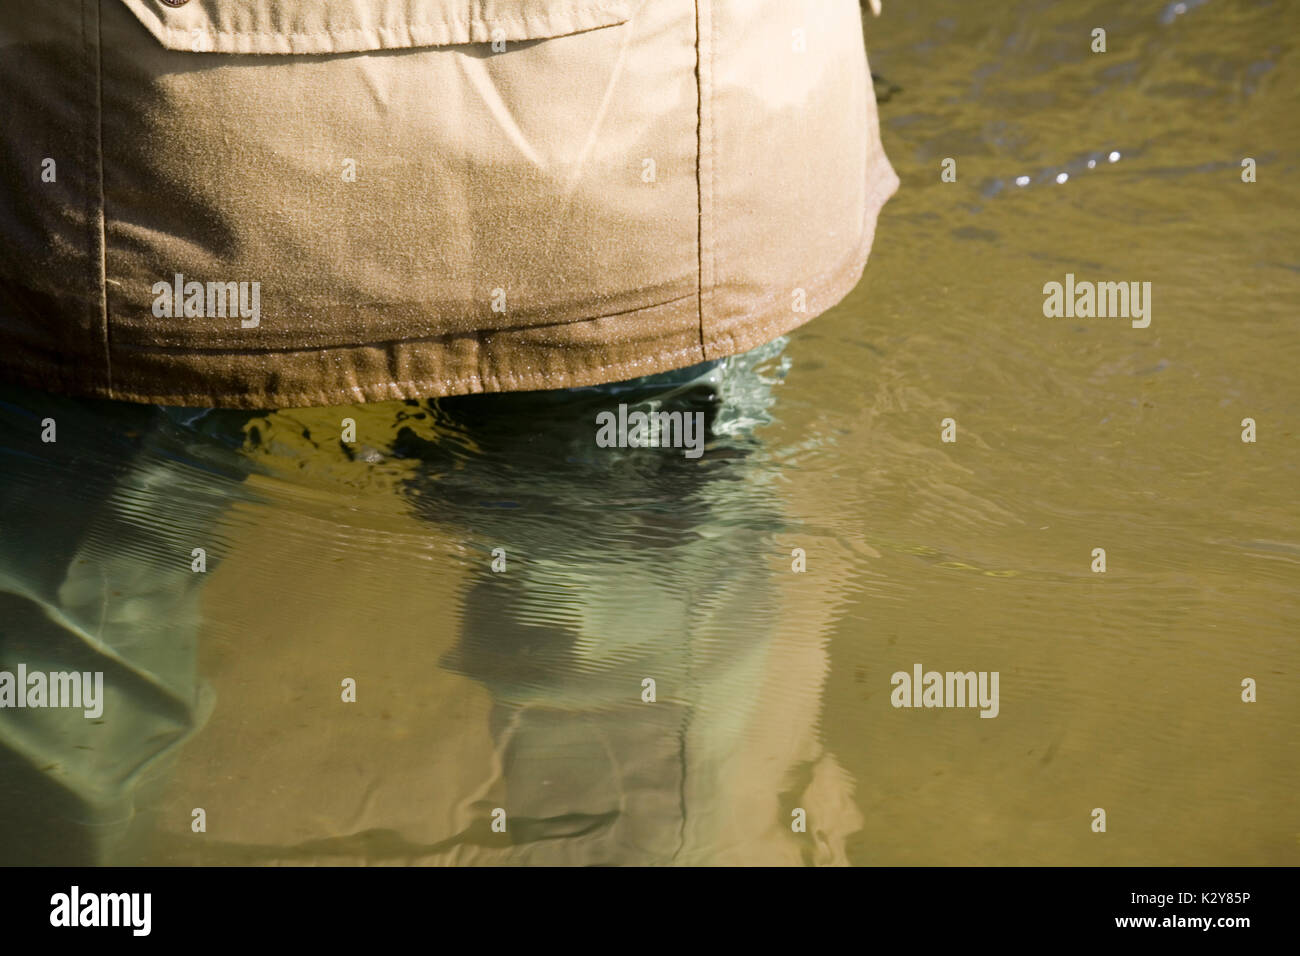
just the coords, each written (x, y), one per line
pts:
(713, 154)
(713, 161)
(699, 168)
(541, 21)
(507, 377)
(481, 334)
(387, 389)
(699, 175)
(99, 156)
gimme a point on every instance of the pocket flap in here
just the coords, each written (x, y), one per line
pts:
(350, 26)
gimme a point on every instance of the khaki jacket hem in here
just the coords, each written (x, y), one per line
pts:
(546, 357)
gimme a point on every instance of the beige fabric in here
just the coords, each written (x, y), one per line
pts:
(330, 26)
(629, 186)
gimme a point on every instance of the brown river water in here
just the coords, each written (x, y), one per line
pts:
(516, 695)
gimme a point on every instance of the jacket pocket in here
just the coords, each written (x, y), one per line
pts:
(350, 26)
(393, 170)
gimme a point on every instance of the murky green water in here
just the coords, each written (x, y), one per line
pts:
(522, 689)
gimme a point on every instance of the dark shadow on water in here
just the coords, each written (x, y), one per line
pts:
(621, 565)
(620, 612)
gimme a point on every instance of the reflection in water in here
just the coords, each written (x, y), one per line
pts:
(622, 566)
(102, 504)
